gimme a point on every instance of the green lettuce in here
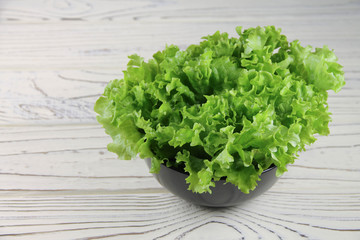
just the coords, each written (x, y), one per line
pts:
(225, 108)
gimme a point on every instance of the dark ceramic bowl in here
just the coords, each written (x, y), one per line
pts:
(223, 195)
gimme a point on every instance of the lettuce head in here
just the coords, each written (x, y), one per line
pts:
(225, 108)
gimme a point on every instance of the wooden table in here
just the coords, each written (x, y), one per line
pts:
(58, 181)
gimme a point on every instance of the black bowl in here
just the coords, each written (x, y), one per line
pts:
(223, 195)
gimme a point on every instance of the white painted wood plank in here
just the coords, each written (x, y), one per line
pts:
(184, 10)
(79, 45)
(162, 216)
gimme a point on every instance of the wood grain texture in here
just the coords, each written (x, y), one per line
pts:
(58, 181)
(162, 216)
(98, 45)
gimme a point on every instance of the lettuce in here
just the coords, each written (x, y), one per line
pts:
(225, 108)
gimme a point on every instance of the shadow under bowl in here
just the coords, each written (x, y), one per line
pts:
(223, 195)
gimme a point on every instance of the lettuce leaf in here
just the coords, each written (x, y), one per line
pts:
(225, 108)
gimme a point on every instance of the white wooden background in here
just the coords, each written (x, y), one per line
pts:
(57, 180)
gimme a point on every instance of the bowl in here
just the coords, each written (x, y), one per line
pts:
(223, 195)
